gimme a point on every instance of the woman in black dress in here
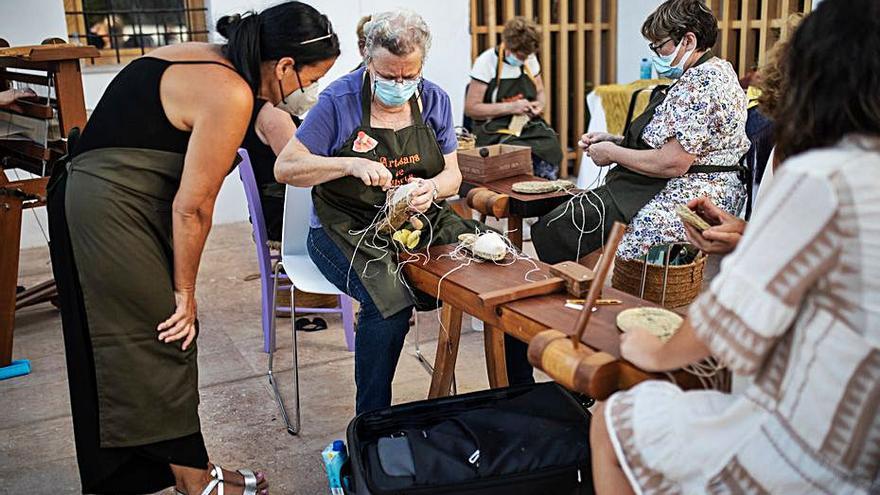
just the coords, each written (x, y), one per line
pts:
(129, 216)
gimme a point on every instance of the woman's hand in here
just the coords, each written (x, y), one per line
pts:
(520, 107)
(536, 108)
(370, 172)
(641, 348)
(592, 138)
(600, 153)
(182, 324)
(10, 96)
(725, 232)
(422, 197)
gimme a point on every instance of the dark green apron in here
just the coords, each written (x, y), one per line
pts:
(118, 209)
(536, 134)
(631, 190)
(347, 205)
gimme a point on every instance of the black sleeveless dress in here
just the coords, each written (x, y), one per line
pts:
(134, 399)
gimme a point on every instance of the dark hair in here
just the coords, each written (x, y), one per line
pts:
(832, 69)
(675, 18)
(275, 33)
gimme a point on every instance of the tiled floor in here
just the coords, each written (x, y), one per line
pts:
(240, 421)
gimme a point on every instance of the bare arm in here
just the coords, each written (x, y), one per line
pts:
(476, 109)
(646, 351)
(297, 166)
(671, 160)
(218, 126)
(274, 127)
(447, 183)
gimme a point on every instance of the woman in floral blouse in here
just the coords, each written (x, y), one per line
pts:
(687, 144)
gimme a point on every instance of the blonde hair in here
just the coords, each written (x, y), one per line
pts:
(771, 76)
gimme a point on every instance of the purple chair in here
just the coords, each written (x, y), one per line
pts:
(265, 258)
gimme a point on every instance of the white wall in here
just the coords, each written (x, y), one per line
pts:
(631, 47)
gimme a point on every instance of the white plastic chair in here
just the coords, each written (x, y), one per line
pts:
(305, 276)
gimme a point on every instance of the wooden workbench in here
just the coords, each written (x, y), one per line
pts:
(460, 292)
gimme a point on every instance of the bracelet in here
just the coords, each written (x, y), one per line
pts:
(436, 188)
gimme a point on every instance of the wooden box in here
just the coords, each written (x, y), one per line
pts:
(504, 160)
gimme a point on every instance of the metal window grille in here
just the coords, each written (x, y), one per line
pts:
(126, 29)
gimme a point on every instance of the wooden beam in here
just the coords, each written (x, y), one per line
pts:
(546, 60)
(580, 76)
(725, 31)
(763, 37)
(745, 40)
(561, 89)
(475, 49)
(612, 41)
(447, 351)
(491, 18)
(496, 362)
(10, 232)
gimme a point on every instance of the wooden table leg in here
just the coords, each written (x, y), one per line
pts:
(515, 233)
(496, 364)
(10, 232)
(447, 351)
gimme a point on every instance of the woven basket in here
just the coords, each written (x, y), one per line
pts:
(467, 142)
(684, 282)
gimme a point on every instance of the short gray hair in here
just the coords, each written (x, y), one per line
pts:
(401, 32)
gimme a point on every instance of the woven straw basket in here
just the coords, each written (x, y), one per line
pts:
(683, 283)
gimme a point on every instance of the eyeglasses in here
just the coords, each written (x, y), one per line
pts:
(414, 80)
(655, 47)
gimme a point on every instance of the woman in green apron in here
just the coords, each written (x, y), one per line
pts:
(129, 215)
(379, 127)
(505, 98)
(687, 144)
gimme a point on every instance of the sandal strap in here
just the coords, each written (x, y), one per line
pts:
(217, 473)
(214, 483)
(250, 481)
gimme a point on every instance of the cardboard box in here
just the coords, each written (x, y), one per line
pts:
(504, 160)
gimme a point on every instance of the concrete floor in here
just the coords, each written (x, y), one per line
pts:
(240, 421)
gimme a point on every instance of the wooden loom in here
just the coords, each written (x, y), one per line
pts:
(55, 66)
(566, 359)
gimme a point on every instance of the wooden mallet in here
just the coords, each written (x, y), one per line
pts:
(564, 358)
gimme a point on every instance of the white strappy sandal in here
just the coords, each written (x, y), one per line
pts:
(250, 482)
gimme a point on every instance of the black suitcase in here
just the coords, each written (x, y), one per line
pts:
(531, 439)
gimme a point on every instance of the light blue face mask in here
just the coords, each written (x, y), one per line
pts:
(663, 63)
(512, 60)
(393, 93)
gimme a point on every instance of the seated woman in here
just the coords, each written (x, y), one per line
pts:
(505, 83)
(686, 144)
(726, 230)
(794, 305)
(271, 128)
(375, 128)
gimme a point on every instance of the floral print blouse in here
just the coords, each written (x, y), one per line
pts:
(706, 111)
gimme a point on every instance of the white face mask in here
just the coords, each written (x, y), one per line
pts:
(300, 101)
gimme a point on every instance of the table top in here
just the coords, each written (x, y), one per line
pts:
(462, 286)
(523, 205)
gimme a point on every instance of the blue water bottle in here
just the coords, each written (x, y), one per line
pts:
(335, 456)
(645, 69)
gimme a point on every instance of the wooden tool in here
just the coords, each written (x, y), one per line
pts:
(563, 357)
(488, 202)
(570, 276)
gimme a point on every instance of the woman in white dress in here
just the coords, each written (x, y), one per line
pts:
(797, 305)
